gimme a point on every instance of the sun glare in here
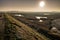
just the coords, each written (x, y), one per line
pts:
(42, 4)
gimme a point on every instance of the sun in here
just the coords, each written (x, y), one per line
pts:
(42, 4)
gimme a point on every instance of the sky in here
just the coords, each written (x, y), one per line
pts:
(29, 5)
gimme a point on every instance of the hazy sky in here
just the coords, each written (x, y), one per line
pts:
(29, 5)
